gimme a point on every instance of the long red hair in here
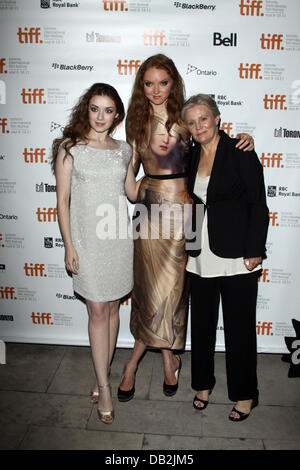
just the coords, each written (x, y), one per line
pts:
(140, 111)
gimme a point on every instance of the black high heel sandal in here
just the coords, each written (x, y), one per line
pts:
(170, 390)
(205, 402)
(243, 416)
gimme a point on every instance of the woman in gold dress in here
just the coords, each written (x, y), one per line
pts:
(159, 137)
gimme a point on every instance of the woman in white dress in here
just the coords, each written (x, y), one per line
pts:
(91, 168)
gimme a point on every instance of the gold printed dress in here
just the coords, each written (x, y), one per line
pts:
(160, 293)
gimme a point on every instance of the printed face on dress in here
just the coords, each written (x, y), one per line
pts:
(102, 113)
(201, 123)
(162, 143)
(157, 86)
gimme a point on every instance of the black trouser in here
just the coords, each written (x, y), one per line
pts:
(238, 294)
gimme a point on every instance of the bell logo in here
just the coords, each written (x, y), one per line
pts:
(264, 328)
(273, 216)
(271, 161)
(30, 36)
(271, 41)
(264, 276)
(154, 39)
(46, 215)
(33, 96)
(274, 102)
(116, 5)
(227, 41)
(127, 67)
(250, 71)
(34, 270)
(7, 293)
(250, 8)
(227, 127)
(34, 155)
(2, 65)
(3, 126)
(41, 318)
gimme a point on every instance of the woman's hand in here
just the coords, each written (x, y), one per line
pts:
(131, 185)
(251, 263)
(71, 260)
(246, 142)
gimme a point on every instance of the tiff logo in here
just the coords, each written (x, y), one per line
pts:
(34, 270)
(274, 102)
(3, 126)
(273, 216)
(251, 8)
(264, 328)
(271, 161)
(116, 5)
(250, 71)
(41, 318)
(35, 155)
(271, 41)
(227, 127)
(7, 293)
(264, 276)
(33, 96)
(30, 36)
(128, 67)
(2, 65)
(154, 39)
(46, 215)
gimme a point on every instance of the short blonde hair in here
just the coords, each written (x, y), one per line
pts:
(203, 99)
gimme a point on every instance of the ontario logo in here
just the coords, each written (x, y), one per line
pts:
(198, 71)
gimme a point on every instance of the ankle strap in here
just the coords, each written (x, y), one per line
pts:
(105, 386)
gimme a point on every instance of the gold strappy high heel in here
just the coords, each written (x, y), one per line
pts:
(106, 417)
(94, 395)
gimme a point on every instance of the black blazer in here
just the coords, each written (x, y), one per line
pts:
(237, 212)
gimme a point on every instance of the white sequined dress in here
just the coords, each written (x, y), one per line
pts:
(100, 222)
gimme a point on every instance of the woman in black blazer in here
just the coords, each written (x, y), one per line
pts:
(230, 185)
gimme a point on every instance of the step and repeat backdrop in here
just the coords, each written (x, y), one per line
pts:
(244, 52)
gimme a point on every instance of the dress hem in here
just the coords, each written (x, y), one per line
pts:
(118, 297)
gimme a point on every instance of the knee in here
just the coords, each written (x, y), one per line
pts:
(114, 309)
(99, 313)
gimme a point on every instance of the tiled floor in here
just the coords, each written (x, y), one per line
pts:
(44, 404)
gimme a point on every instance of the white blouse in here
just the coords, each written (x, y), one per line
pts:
(207, 264)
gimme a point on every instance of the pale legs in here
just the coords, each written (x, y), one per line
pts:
(103, 329)
(170, 366)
